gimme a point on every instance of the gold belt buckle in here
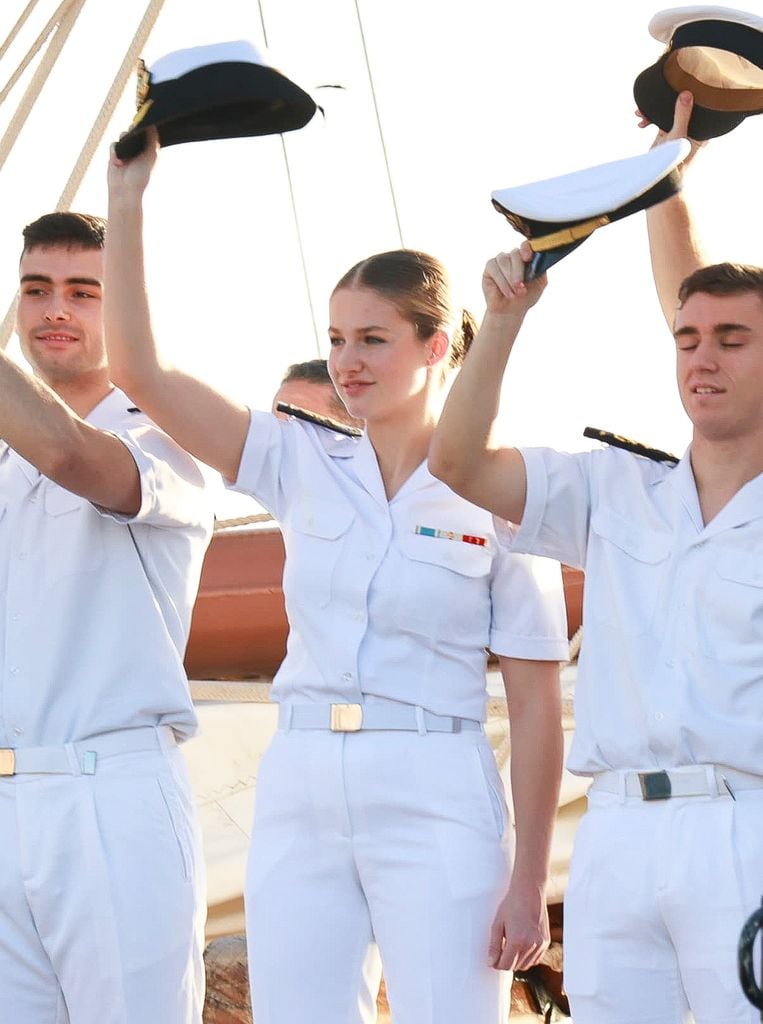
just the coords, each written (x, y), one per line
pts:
(7, 761)
(346, 717)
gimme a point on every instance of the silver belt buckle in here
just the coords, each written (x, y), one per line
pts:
(655, 785)
(7, 761)
(346, 717)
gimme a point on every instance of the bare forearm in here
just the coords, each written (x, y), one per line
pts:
(675, 250)
(537, 750)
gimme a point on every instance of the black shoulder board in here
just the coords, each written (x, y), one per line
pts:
(133, 408)
(321, 421)
(630, 446)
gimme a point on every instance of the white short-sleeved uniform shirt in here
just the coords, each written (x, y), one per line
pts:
(671, 670)
(376, 608)
(96, 606)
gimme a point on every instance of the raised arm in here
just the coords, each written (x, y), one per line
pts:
(201, 420)
(462, 454)
(44, 431)
(674, 245)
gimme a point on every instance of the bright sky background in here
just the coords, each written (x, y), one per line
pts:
(472, 97)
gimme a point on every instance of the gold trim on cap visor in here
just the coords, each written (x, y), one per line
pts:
(567, 235)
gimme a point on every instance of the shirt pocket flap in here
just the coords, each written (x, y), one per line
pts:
(457, 555)
(632, 538)
(59, 501)
(327, 520)
(739, 567)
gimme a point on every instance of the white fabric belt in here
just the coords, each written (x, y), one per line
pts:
(80, 758)
(382, 716)
(692, 780)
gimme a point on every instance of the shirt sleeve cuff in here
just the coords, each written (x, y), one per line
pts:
(522, 538)
(531, 648)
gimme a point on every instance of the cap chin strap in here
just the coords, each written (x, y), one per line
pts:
(568, 235)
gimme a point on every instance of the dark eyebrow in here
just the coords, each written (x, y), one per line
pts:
(93, 282)
(729, 328)
(683, 332)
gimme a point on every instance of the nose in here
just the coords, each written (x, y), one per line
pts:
(56, 310)
(346, 357)
(705, 356)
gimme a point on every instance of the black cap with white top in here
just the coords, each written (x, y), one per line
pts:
(219, 91)
(714, 52)
(558, 214)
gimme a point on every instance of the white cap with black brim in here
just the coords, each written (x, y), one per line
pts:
(220, 91)
(558, 214)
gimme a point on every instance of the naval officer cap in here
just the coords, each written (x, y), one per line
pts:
(558, 214)
(219, 91)
(717, 54)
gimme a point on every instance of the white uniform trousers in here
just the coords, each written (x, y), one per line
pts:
(658, 894)
(376, 845)
(101, 894)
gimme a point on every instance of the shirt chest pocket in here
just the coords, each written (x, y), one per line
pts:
(444, 588)
(73, 536)
(316, 537)
(730, 609)
(627, 561)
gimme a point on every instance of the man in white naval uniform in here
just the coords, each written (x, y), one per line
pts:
(668, 861)
(103, 528)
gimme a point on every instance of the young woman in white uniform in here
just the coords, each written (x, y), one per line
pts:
(379, 827)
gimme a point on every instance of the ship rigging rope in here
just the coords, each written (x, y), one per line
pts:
(302, 256)
(22, 19)
(63, 22)
(379, 126)
(68, 11)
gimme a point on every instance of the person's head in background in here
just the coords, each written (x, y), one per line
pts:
(308, 386)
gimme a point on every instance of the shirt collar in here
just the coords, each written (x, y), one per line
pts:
(746, 504)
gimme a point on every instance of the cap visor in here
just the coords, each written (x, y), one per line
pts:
(657, 100)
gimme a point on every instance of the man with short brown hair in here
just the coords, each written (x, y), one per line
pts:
(103, 527)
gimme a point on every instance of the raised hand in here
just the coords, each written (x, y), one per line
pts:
(504, 286)
(132, 176)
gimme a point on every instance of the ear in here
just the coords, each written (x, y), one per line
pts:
(439, 344)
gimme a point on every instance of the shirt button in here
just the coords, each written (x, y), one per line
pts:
(658, 716)
(14, 670)
(16, 616)
(22, 555)
(18, 731)
(370, 556)
(669, 663)
(347, 677)
(358, 616)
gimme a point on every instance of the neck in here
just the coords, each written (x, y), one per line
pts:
(721, 469)
(82, 394)
(401, 444)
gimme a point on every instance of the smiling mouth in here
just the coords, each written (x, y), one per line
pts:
(56, 339)
(705, 389)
